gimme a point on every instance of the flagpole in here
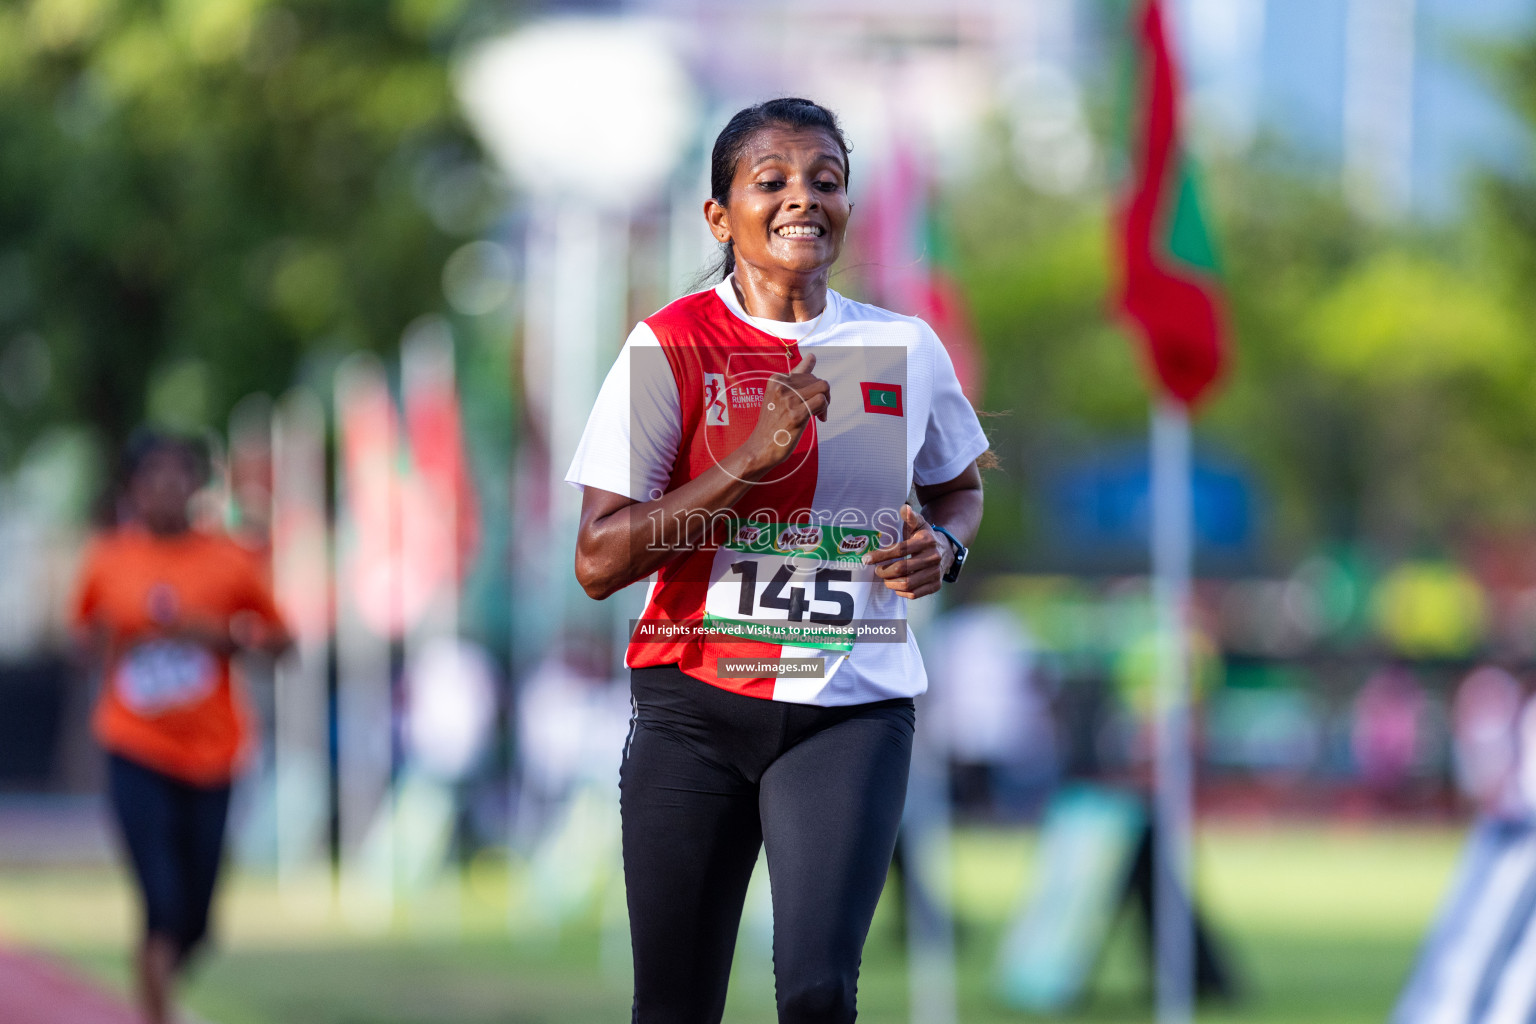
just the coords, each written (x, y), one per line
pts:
(1172, 547)
(300, 571)
(367, 507)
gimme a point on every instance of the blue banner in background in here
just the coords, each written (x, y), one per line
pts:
(1098, 510)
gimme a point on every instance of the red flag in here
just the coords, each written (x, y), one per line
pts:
(434, 430)
(902, 237)
(1169, 288)
(414, 521)
(370, 531)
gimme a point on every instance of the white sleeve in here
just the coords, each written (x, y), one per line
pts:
(953, 438)
(632, 436)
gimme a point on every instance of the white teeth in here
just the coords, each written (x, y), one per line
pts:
(799, 231)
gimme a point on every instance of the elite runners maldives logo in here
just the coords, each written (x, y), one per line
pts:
(716, 412)
(884, 398)
(746, 396)
(798, 538)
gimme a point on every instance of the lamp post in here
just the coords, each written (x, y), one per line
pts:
(588, 117)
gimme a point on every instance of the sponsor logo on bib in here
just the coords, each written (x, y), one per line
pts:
(748, 535)
(853, 543)
(716, 412)
(798, 538)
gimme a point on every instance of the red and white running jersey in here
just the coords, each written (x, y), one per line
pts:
(779, 576)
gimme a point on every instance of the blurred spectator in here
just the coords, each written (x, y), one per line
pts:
(1387, 732)
(1477, 962)
(571, 724)
(988, 713)
(1486, 721)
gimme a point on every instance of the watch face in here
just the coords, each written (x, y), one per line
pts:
(960, 552)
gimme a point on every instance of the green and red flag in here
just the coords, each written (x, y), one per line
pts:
(900, 234)
(1169, 287)
(884, 398)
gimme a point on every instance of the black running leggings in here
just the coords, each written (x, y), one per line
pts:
(709, 777)
(174, 832)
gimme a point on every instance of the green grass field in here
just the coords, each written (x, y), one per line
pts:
(1322, 925)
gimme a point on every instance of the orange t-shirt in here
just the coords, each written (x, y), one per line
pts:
(167, 702)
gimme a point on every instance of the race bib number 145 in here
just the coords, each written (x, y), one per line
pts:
(797, 584)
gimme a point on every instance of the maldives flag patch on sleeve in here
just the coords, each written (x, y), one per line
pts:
(884, 398)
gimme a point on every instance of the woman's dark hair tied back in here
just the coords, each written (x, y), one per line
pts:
(787, 112)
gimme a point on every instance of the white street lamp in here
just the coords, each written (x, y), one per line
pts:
(588, 118)
(595, 110)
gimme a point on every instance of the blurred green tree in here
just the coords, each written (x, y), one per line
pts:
(195, 195)
(1385, 368)
(1509, 197)
(1380, 376)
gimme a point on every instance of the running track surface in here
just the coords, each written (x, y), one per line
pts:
(35, 990)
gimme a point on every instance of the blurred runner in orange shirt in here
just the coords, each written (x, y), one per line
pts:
(165, 606)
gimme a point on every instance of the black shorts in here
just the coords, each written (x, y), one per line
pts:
(710, 777)
(174, 835)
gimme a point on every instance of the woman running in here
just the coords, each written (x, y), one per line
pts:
(754, 446)
(165, 606)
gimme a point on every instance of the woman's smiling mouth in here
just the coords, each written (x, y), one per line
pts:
(799, 231)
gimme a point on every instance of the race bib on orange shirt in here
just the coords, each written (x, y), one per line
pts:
(162, 675)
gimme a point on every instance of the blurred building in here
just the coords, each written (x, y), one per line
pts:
(1395, 97)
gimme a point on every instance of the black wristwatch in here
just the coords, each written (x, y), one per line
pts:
(960, 552)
